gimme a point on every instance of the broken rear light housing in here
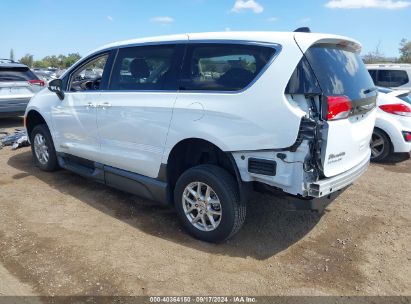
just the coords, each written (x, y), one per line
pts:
(338, 107)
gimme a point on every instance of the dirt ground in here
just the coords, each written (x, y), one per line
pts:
(61, 234)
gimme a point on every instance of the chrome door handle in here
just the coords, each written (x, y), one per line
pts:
(104, 105)
(91, 105)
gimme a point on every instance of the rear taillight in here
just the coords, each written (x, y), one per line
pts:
(37, 82)
(407, 136)
(397, 109)
(339, 107)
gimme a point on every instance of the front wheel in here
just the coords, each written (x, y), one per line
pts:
(42, 148)
(208, 203)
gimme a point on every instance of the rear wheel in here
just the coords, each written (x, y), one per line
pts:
(380, 145)
(208, 203)
(42, 148)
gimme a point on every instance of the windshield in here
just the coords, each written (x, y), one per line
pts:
(407, 98)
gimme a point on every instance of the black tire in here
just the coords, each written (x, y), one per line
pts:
(225, 187)
(51, 164)
(383, 151)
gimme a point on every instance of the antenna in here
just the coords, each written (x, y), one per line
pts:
(303, 30)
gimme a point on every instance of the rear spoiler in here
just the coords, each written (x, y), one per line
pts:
(305, 41)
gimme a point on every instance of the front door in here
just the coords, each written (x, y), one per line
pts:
(74, 118)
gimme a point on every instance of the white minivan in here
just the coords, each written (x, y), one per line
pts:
(394, 76)
(197, 121)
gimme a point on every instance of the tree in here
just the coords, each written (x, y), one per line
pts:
(71, 59)
(27, 60)
(11, 54)
(405, 51)
(375, 56)
(51, 61)
(39, 64)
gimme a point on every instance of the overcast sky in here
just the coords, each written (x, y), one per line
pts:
(48, 27)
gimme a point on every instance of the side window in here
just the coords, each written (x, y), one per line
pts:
(88, 77)
(392, 78)
(373, 74)
(223, 67)
(142, 68)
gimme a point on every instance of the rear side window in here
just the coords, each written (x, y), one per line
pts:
(373, 74)
(392, 78)
(16, 74)
(142, 68)
(338, 71)
(223, 67)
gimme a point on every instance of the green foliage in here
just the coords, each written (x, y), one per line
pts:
(405, 51)
(377, 57)
(60, 61)
(71, 59)
(27, 60)
(39, 64)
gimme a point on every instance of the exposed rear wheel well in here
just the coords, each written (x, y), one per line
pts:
(33, 119)
(193, 152)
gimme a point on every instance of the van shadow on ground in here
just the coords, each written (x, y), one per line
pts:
(269, 227)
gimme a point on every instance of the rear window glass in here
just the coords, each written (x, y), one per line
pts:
(16, 74)
(373, 74)
(392, 78)
(223, 67)
(338, 71)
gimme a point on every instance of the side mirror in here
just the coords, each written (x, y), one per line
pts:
(56, 86)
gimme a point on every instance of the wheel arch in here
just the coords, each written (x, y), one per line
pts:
(191, 152)
(32, 119)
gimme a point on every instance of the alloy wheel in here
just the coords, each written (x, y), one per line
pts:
(41, 149)
(202, 206)
(377, 145)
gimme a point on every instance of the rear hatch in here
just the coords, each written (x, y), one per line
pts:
(346, 101)
(18, 83)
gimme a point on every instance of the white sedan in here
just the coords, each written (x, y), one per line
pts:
(392, 132)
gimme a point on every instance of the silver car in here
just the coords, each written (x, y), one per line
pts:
(17, 85)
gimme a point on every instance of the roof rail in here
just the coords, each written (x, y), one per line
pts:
(4, 60)
(390, 65)
(303, 30)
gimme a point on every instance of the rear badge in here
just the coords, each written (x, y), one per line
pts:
(335, 158)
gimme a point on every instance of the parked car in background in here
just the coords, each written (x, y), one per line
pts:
(404, 95)
(17, 85)
(43, 74)
(392, 132)
(196, 121)
(393, 76)
(48, 74)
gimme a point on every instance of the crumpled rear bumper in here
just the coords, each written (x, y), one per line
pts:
(327, 186)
